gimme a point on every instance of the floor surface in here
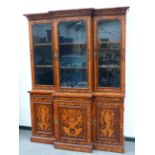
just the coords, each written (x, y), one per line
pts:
(26, 147)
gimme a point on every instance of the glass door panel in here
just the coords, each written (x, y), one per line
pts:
(109, 39)
(72, 54)
(43, 54)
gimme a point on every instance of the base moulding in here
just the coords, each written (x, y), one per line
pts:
(45, 140)
(73, 147)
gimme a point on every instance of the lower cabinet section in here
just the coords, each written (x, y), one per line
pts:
(73, 129)
(79, 124)
(42, 118)
(108, 124)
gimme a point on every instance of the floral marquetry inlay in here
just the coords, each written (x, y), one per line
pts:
(107, 123)
(72, 123)
(43, 118)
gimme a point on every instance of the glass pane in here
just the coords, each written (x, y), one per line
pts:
(72, 54)
(109, 39)
(43, 75)
(43, 54)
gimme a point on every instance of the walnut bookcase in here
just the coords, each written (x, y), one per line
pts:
(78, 78)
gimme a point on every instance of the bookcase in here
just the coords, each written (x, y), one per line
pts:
(78, 78)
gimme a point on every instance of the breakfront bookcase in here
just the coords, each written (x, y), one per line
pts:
(78, 78)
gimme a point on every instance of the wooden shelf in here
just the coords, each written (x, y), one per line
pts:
(102, 42)
(42, 44)
(109, 50)
(44, 66)
(81, 84)
(73, 56)
(72, 43)
(73, 67)
(109, 66)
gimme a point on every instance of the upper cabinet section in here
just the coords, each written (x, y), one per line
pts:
(78, 50)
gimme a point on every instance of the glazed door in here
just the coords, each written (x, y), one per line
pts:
(42, 54)
(73, 54)
(109, 53)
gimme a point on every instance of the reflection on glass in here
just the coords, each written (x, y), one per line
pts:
(43, 75)
(109, 37)
(72, 54)
(43, 54)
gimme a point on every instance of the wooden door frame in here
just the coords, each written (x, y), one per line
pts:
(121, 89)
(88, 20)
(34, 85)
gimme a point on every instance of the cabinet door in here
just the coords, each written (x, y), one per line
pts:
(109, 53)
(73, 50)
(73, 122)
(108, 121)
(42, 54)
(42, 115)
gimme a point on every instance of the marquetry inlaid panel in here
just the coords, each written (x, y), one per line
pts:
(108, 123)
(74, 121)
(43, 117)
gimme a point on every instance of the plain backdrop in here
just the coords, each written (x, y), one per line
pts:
(15, 75)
